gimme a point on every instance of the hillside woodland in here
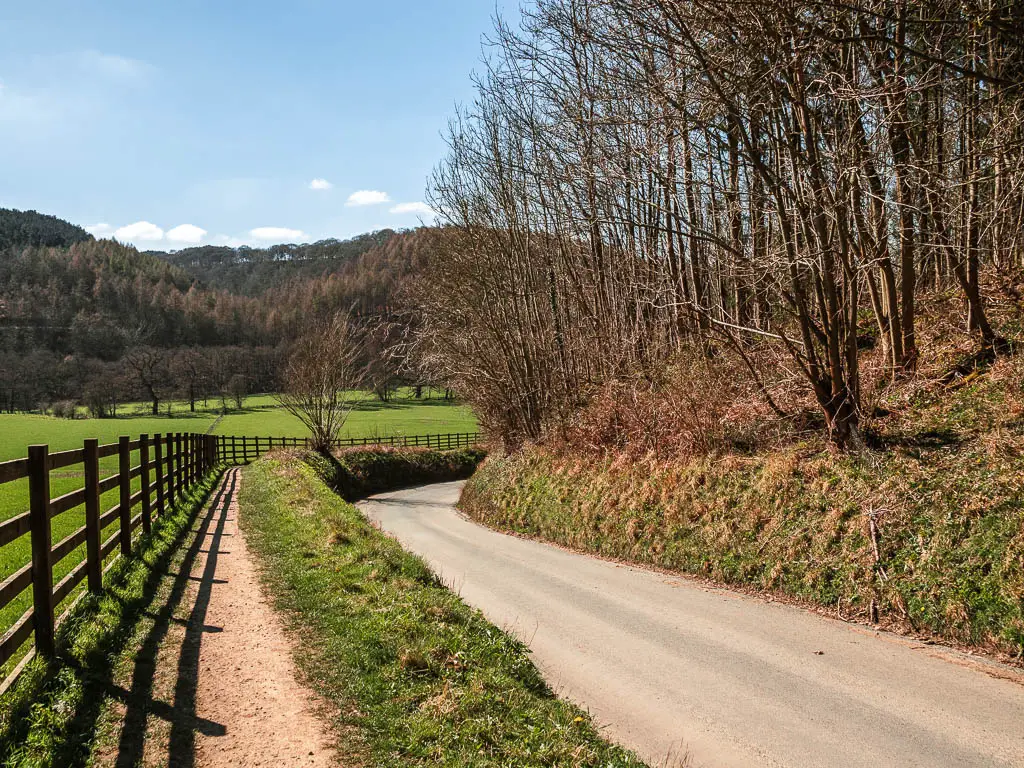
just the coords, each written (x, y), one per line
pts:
(738, 285)
(96, 323)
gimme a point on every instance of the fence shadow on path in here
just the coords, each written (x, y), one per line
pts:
(139, 700)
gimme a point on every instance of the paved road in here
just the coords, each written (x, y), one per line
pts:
(677, 670)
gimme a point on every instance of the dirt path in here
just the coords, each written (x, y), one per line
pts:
(213, 683)
(674, 667)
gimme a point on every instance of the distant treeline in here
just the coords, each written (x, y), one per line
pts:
(97, 322)
(251, 271)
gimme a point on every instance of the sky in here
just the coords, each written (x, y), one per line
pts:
(182, 122)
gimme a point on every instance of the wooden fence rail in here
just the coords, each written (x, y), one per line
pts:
(168, 467)
(242, 450)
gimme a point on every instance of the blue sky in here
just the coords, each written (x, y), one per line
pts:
(180, 121)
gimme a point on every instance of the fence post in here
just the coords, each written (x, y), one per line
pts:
(178, 474)
(125, 512)
(42, 559)
(186, 460)
(147, 508)
(168, 477)
(158, 464)
(171, 496)
(94, 567)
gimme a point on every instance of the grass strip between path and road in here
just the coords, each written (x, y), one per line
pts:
(52, 714)
(412, 674)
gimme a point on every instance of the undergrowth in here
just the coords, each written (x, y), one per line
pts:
(923, 533)
(415, 676)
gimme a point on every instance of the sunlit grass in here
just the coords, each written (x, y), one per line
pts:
(414, 675)
(49, 716)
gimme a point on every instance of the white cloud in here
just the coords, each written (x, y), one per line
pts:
(231, 242)
(415, 209)
(367, 197)
(320, 185)
(139, 232)
(279, 234)
(101, 230)
(112, 66)
(186, 233)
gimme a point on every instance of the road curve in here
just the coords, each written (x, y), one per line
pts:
(678, 671)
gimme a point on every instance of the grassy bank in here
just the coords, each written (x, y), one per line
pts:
(51, 714)
(415, 677)
(923, 532)
(358, 473)
(928, 542)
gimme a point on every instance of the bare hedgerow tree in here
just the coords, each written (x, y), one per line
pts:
(320, 379)
(643, 180)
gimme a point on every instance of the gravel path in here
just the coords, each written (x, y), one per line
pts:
(212, 683)
(674, 668)
(247, 681)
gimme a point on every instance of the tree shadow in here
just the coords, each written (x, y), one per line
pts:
(96, 670)
(923, 439)
(139, 701)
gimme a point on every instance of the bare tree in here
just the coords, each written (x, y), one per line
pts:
(639, 179)
(149, 365)
(321, 378)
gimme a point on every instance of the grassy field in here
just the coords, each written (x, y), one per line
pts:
(413, 675)
(370, 418)
(261, 416)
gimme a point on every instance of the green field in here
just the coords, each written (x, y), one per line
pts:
(260, 417)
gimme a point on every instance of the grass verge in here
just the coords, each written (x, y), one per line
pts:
(415, 676)
(49, 716)
(924, 543)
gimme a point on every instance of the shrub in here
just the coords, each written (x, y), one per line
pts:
(357, 473)
(64, 409)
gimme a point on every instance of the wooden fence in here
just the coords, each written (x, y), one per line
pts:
(242, 450)
(166, 467)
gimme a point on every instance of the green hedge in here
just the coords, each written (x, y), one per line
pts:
(358, 473)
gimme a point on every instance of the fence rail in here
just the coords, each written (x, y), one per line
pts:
(168, 466)
(165, 466)
(242, 450)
